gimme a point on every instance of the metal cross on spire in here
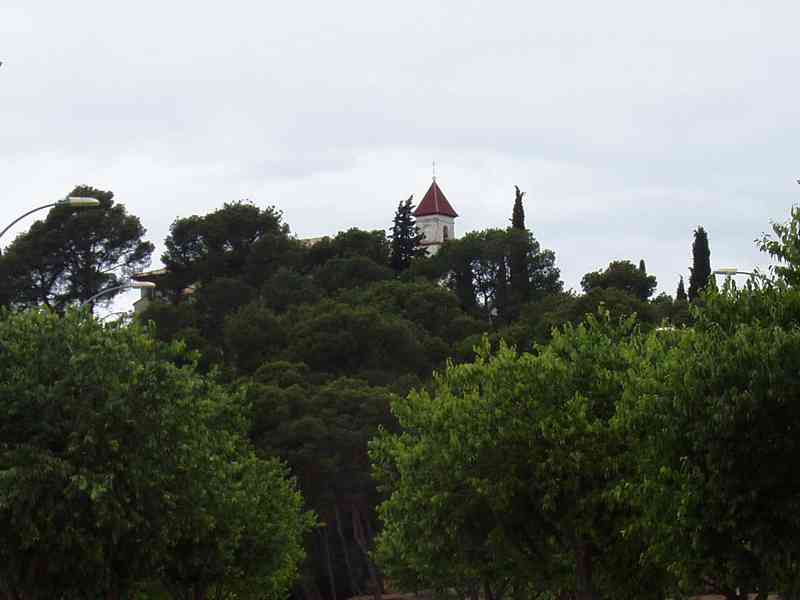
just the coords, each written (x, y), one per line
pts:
(433, 164)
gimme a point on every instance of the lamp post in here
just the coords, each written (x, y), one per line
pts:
(127, 286)
(73, 201)
(731, 271)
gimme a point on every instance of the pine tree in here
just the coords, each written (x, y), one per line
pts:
(406, 237)
(701, 264)
(518, 215)
(642, 268)
(681, 293)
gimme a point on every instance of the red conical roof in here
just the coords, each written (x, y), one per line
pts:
(434, 203)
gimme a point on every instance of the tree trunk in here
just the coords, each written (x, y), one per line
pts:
(474, 592)
(308, 594)
(358, 534)
(324, 534)
(583, 572)
(487, 591)
(354, 587)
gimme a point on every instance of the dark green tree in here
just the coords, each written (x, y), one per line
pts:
(642, 267)
(433, 307)
(287, 288)
(321, 431)
(680, 294)
(340, 339)
(74, 254)
(700, 271)
(252, 334)
(348, 244)
(350, 272)
(518, 277)
(406, 237)
(622, 275)
(240, 240)
(518, 214)
(478, 268)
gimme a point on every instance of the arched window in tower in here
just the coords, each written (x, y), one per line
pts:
(445, 234)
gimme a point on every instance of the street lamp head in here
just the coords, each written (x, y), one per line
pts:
(77, 202)
(142, 284)
(726, 271)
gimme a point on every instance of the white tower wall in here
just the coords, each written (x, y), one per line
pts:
(436, 229)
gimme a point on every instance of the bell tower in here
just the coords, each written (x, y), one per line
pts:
(435, 218)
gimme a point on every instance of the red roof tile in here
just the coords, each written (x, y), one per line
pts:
(434, 203)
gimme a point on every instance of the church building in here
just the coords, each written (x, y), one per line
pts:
(435, 218)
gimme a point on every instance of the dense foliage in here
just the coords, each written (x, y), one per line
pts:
(406, 237)
(326, 335)
(518, 455)
(73, 254)
(120, 470)
(509, 474)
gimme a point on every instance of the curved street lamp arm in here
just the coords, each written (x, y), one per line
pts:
(18, 219)
(104, 292)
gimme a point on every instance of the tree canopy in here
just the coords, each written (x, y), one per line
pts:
(712, 415)
(518, 455)
(74, 253)
(622, 275)
(120, 470)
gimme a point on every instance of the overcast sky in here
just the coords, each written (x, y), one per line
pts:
(627, 123)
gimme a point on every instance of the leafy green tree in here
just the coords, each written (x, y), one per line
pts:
(119, 468)
(406, 237)
(514, 459)
(712, 413)
(255, 511)
(785, 247)
(700, 271)
(74, 254)
(622, 275)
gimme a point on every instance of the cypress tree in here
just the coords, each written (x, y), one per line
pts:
(406, 237)
(701, 264)
(681, 293)
(642, 268)
(518, 256)
(518, 215)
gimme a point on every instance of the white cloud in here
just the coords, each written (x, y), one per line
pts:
(627, 123)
